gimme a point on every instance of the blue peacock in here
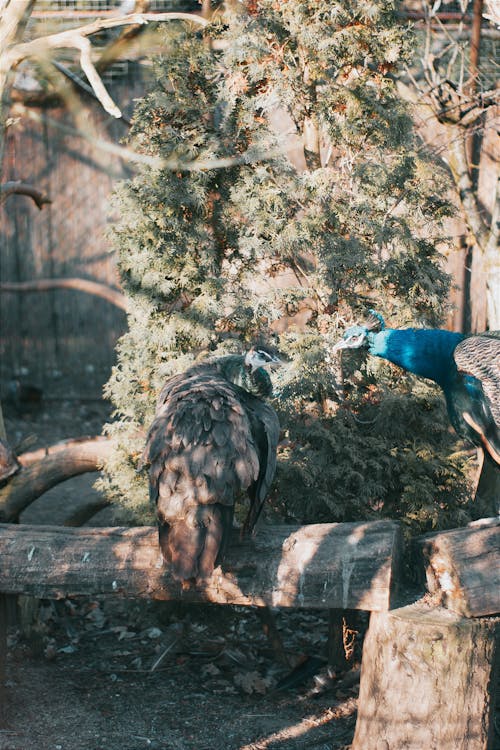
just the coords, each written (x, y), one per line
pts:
(466, 367)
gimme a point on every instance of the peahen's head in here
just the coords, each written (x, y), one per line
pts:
(359, 336)
(261, 357)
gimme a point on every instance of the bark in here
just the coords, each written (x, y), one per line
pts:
(463, 567)
(427, 681)
(3, 656)
(471, 210)
(318, 566)
(36, 477)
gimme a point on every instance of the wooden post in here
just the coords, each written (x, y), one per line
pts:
(336, 651)
(3, 656)
(428, 681)
(344, 566)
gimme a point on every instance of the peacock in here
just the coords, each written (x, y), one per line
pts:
(212, 438)
(466, 367)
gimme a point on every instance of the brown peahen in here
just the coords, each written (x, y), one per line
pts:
(213, 437)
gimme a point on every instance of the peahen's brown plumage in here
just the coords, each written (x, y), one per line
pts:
(211, 439)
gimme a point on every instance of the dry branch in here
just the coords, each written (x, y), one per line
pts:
(321, 566)
(96, 288)
(78, 39)
(21, 188)
(250, 156)
(121, 45)
(36, 477)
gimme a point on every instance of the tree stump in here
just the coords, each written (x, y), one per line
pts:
(428, 680)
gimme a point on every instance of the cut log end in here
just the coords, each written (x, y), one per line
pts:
(462, 567)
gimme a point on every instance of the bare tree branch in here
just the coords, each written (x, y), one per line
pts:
(156, 162)
(22, 188)
(119, 46)
(78, 39)
(13, 14)
(36, 477)
(96, 288)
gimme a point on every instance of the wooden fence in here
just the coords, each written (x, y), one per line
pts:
(61, 340)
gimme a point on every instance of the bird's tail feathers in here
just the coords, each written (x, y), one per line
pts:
(192, 547)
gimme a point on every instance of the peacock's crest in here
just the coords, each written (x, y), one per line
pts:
(375, 322)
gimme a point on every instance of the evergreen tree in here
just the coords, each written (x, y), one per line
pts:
(213, 258)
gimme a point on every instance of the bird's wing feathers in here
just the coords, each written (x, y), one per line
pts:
(200, 445)
(209, 441)
(479, 356)
(266, 428)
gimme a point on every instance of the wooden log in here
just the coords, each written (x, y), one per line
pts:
(36, 477)
(9, 465)
(349, 565)
(428, 681)
(3, 656)
(463, 566)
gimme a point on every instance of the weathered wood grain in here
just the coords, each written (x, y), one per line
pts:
(36, 477)
(463, 565)
(350, 565)
(428, 681)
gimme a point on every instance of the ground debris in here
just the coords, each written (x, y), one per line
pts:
(111, 674)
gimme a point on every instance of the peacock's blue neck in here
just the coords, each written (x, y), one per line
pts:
(425, 352)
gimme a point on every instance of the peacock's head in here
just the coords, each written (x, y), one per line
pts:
(259, 357)
(359, 336)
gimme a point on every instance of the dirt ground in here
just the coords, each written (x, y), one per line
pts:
(95, 674)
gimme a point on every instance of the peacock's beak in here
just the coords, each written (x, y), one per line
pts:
(342, 344)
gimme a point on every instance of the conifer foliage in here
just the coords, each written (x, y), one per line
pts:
(327, 208)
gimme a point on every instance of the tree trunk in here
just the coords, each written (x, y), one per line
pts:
(428, 681)
(487, 496)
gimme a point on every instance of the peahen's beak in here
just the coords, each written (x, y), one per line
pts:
(275, 363)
